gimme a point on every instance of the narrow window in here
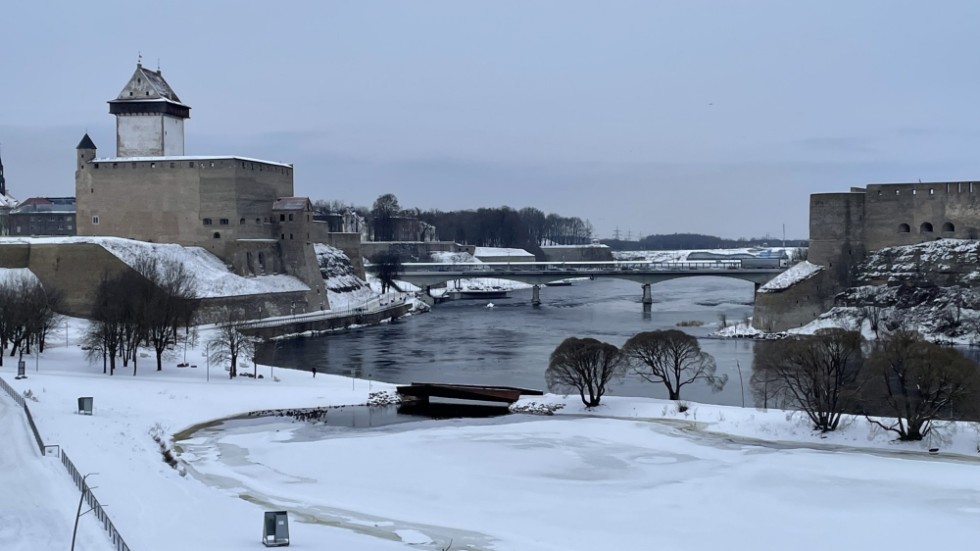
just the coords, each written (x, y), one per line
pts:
(190, 164)
(242, 221)
(217, 235)
(173, 165)
(95, 219)
(96, 165)
(207, 221)
(290, 214)
(282, 217)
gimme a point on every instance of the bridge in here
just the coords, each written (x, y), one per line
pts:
(426, 275)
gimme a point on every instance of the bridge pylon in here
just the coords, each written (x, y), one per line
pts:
(536, 295)
(647, 294)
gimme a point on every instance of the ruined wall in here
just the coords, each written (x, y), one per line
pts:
(413, 251)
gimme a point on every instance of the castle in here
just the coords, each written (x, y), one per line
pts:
(240, 209)
(845, 227)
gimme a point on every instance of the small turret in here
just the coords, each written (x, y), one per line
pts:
(86, 150)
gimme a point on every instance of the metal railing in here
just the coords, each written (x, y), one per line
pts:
(375, 305)
(600, 267)
(27, 411)
(97, 509)
(93, 503)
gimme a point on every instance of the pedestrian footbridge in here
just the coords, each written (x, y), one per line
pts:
(427, 275)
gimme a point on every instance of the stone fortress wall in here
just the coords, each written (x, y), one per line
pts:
(844, 227)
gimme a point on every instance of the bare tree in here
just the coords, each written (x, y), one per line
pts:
(104, 336)
(231, 343)
(872, 313)
(584, 365)
(919, 382)
(820, 374)
(672, 358)
(389, 266)
(169, 302)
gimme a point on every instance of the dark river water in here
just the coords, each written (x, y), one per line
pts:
(466, 342)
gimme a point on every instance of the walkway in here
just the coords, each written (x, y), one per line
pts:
(37, 498)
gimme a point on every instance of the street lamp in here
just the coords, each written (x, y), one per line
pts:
(207, 356)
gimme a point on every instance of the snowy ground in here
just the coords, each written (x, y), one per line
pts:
(38, 500)
(632, 474)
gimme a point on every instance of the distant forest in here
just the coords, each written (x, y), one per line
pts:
(529, 228)
(506, 227)
(679, 241)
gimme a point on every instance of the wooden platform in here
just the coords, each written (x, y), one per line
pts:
(504, 394)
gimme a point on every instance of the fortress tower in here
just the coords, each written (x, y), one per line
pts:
(149, 117)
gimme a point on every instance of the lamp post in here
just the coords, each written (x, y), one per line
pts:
(207, 356)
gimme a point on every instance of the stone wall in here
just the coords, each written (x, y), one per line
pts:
(350, 243)
(796, 305)
(77, 269)
(414, 251)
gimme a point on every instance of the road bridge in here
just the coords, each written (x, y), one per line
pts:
(536, 274)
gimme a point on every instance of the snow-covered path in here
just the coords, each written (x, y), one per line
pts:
(37, 499)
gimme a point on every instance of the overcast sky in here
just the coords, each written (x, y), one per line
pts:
(651, 116)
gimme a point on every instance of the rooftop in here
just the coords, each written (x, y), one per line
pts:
(186, 158)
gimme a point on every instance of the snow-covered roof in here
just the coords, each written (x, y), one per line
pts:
(186, 158)
(292, 203)
(211, 275)
(800, 272)
(499, 251)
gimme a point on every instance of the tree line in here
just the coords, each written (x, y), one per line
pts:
(681, 241)
(527, 228)
(900, 383)
(28, 313)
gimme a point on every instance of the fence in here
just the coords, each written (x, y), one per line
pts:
(27, 411)
(93, 503)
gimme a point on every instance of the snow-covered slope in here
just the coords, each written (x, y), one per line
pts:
(799, 272)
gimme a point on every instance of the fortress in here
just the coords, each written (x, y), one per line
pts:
(844, 227)
(240, 209)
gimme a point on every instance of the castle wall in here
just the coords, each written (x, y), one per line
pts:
(905, 214)
(837, 232)
(206, 202)
(350, 243)
(795, 306)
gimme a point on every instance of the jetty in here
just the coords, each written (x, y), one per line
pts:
(423, 392)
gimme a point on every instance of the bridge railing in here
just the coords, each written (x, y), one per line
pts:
(591, 267)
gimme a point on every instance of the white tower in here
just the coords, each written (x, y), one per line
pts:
(149, 117)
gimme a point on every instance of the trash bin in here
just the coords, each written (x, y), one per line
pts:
(85, 405)
(275, 529)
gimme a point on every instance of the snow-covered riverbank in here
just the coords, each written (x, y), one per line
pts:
(579, 480)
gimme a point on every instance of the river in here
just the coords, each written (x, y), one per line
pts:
(466, 342)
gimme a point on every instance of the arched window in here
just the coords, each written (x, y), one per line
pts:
(948, 226)
(217, 235)
(904, 228)
(926, 227)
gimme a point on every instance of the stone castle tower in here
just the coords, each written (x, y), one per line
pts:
(229, 205)
(149, 117)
